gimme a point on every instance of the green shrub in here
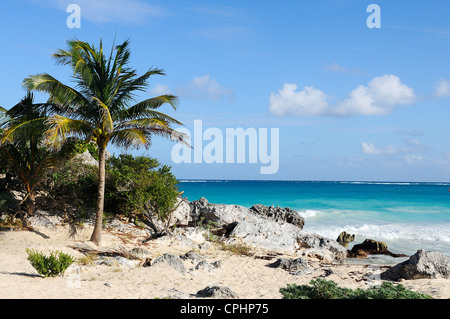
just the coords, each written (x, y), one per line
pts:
(52, 265)
(135, 186)
(139, 186)
(74, 180)
(328, 289)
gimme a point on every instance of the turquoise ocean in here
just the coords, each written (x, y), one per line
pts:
(406, 216)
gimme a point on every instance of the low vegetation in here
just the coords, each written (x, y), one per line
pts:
(237, 249)
(49, 266)
(328, 289)
(140, 188)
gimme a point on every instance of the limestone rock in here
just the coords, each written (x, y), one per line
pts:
(371, 247)
(217, 264)
(140, 252)
(219, 292)
(182, 213)
(87, 159)
(421, 265)
(174, 261)
(44, 219)
(117, 261)
(267, 228)
(321, 247)
(204, 265)
(290, 264)
(194, 257)
(218, 213)
(344, 239)
(176, 294)
(266, 234)
(278, 214)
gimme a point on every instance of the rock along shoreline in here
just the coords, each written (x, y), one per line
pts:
(282, 253)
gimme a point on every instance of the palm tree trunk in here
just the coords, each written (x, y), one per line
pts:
(97, 233)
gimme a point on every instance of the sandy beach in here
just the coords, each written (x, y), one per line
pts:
(247, 276)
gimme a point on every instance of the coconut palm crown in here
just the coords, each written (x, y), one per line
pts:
(102, 107)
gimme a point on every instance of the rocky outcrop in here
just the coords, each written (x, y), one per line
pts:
(285, 238)
(421, 265)
(193, 257)
(290, 264)
(269, 228)
(278, 214)
(87, 159)
(182, 213)
(218, 292)
(172, 260)
(176, 294)
(265, 234)
(117, 261)
(219, 214)
(344, 239)
(371, 247)
(321, 248)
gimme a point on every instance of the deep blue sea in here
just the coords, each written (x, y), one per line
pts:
(406, 216)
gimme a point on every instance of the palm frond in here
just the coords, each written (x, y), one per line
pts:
(130, 138)
(17, 130)
(146, 109)
(128, 83)
(61, 127)
(65, 97)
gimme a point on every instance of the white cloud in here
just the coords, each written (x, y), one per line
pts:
(289, 101)
(205, 87)
(442, 88)
(379, 97)
(101, 11)
(410, 151)
(371, 149)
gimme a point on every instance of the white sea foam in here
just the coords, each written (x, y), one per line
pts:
(400, 238)
(381, 183)
(308, 213)
(389, 232)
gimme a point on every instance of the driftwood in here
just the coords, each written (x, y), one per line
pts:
(110, 252)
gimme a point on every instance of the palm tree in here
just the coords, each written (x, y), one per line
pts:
(24, 155)
(98, 107)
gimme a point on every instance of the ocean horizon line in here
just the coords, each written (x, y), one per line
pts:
(441, 183)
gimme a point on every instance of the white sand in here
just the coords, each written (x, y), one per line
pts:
(248, 277)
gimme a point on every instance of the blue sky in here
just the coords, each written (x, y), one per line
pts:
(350, 102)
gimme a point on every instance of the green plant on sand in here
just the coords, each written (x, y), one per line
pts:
(52, 265)
(328, 289)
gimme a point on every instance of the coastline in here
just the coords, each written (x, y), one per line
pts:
(407, 216)
(247, 276)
